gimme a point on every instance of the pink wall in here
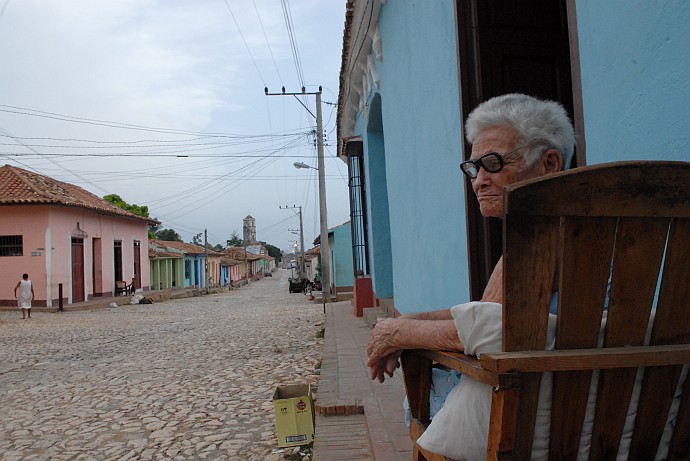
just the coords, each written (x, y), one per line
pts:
(31, 223)
(47, 233)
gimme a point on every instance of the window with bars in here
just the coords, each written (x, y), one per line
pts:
(11, 245)
(358, 211)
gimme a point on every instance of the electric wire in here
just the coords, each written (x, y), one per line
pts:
(280, 77)
(19, 141)
(245, 43)
(287, 14)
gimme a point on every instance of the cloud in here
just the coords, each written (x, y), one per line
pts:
(177, 64)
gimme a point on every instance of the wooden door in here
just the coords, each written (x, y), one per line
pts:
(77, 270)
(507, 46)
(137, 264)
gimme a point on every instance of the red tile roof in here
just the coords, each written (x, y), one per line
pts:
(22, 187)
(238, 254)
(344, 64)
(159, 253)
(230, 262)
(188, 248)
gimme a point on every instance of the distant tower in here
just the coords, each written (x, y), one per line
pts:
(249, 230)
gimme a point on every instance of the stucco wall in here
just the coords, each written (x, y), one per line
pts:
(422, 127)
(63, 222)
(341, 247)
(47, 233)
(380, 262)
(29, 222)
(635, 63)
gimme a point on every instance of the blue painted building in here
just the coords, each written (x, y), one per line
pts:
(340, 242)
(635, 67)
(413, 70)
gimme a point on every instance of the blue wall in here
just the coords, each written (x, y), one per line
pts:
(635, 64)
(380, 259)
(341, 249)
(421, 121)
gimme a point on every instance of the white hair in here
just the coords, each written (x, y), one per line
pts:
(536, 122)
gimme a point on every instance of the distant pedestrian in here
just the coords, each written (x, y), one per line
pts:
(26, 295)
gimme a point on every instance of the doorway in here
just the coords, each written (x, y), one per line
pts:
(507, 46)
(97, 267)
(117, 260)
(137, 264)
(77, 270)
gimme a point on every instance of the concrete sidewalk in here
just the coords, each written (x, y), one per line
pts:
(356, 418)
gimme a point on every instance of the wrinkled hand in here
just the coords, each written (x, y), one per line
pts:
(382, 350)
(386, 365)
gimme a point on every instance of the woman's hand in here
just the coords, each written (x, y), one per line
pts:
(384, 349)
(390, 336)
(384, 366)
(383, 338)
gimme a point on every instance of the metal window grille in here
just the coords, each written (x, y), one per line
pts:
(358, 211)
(11, 245)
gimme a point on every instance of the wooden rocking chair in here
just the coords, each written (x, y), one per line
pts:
(121, 288)
(622, 225)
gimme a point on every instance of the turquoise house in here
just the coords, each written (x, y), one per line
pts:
(342, 273)
(413, 70)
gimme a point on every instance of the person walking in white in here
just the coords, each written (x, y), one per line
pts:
(26, 294)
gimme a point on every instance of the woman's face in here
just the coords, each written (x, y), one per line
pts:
(488, 187)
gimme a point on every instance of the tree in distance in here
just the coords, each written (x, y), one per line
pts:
(139, 210)
(169, 235)
(235, 240)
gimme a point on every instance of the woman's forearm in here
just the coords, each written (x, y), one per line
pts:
(443, 314)
(438, 335)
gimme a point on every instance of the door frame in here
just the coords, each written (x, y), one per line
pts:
(484, 242)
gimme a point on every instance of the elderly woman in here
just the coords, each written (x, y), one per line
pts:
(514, 137)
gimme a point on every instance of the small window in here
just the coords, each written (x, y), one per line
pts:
(11, 245)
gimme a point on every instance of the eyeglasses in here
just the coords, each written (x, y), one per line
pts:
(493, 162)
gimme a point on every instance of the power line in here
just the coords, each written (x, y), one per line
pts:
(245, 43)
(70, 118)
(280, 77)
(287, 14)
(55, 163)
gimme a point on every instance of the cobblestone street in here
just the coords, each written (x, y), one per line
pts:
(183, 379)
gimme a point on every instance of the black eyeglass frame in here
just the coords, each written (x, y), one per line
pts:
(479, 163)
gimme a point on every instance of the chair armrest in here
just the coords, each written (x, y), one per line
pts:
(468, 365)
(585, 359)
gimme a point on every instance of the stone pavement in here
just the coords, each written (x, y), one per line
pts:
(177, 380)
(191, 378)
(345, 392)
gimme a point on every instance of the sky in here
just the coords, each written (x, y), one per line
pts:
(162, 103)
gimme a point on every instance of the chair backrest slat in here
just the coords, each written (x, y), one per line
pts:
(530, 257)
(637, 259)
(671, 326)
(679, 448)
(586, 247)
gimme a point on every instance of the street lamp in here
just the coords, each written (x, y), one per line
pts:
(299, 165)
(325, 247)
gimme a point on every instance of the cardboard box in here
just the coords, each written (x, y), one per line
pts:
(294, 409)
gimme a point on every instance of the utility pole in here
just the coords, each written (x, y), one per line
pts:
(206, 258)
(246, 264)
(325, 247)
(301, 235)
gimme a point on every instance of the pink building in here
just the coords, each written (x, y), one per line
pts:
(63, 235)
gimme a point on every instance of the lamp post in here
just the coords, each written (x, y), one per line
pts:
(325, 247)
(301, 234)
